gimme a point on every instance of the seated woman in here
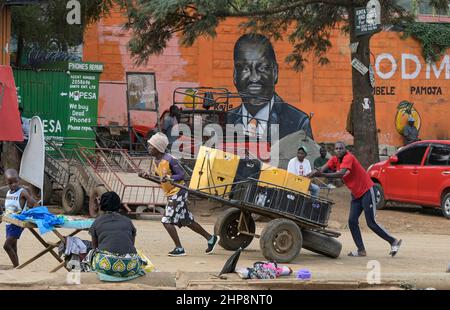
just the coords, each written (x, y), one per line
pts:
(113, 237)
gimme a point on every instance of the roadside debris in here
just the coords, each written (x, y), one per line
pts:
(303, 274)
(264, 270)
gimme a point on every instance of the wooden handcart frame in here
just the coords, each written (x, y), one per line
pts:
(48, 246)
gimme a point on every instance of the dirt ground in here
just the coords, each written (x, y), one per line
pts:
(396, 218)
(423, 256)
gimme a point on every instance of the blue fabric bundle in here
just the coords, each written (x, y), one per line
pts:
(40, 216)
(77, 223)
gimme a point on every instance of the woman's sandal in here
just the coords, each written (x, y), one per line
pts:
(357, 254)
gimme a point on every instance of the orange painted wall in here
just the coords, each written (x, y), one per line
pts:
(322, 90)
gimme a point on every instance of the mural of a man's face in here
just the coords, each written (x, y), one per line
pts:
(255, 74)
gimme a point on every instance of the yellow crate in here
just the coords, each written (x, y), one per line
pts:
(273, 175)
(297, 183)
(214, 168)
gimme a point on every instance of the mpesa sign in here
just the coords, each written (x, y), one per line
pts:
(441, 71)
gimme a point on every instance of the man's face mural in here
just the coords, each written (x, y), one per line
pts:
(255, 74)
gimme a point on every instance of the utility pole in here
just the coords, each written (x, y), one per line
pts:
(5, 33)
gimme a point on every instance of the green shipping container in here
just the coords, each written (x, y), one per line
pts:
(66, 99)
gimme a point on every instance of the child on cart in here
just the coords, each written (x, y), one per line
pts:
(176, 212)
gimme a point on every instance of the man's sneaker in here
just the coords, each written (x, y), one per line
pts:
(395, 247)
(177, 252)
(357, 253)
(212, 244)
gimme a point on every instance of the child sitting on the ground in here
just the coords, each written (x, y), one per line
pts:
(17, 200)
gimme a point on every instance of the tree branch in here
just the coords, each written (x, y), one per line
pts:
(283, 8)
(192, 7)
(230, 2)
(185, 15)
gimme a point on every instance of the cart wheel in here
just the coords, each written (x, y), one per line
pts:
(48, 190)
(73, 199)
(281, 241)
(321, 244)
(227, 228)
(94, 200)
(149, 213)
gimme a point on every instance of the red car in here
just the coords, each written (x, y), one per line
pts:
(417, 174)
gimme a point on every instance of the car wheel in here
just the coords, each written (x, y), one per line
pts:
(445, 206)
(379, 196)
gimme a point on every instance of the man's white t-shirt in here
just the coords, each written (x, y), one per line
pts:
(299, 168)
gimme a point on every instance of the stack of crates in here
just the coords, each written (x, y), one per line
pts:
(291, 202)
(276, 177)
(247, 168)
(213, 169)
(297, 183)
(285, 192)
(272, 188)
(317, 211)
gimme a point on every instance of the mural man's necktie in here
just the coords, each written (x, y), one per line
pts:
(252, 127)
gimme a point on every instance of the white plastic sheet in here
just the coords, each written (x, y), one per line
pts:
(33, 158)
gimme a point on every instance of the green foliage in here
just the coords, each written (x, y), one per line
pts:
(434, 38)
(154, 23)
(308, 28)
(306, 24)
(440, 4)
(46, 25)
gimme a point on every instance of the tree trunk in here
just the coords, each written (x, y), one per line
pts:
(362, 116)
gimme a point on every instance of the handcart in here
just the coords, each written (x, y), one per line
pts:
(298, 220)
(117, 171)
(84, 174)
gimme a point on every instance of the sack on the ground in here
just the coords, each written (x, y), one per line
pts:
(262, 270)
